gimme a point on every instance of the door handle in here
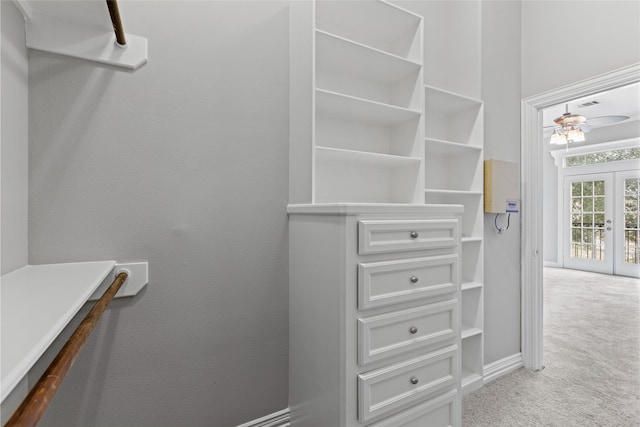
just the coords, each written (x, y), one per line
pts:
(609, 228)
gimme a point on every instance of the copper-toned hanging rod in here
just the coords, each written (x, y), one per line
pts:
(33, 406)
(114, 11)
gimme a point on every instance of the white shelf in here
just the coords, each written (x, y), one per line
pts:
(357, 60)
(364, 177)
(334, 104)
(37, 302)
(386, 27)
(449, 148)
(471, 239)
(78, 40)
(470, 285)
(452, 192)
(470, 331)
(364, 157)
(448, 102)
(469, 379)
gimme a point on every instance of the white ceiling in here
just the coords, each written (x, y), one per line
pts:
(623, 101)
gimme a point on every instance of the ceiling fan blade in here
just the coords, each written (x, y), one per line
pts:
(605, 120)
(584, 127)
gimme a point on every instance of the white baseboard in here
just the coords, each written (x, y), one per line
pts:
(277, 419)
(552, 264)
(502, 367)
(491, 372)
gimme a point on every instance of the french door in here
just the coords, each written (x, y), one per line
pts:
(589, 218)
(627, 197)
(602, 224)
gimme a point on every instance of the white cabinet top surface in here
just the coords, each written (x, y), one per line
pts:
(371, 208)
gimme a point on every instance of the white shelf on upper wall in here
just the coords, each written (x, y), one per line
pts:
(81, 31)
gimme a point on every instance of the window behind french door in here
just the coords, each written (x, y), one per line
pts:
(601, 214)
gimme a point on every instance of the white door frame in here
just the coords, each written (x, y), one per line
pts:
(531, 192)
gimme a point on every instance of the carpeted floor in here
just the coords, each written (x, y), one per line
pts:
(591, 358)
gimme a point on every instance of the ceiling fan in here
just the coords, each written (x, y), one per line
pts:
(572, 127)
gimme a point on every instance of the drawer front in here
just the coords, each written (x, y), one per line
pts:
(406, 235)
(394, 333)
(439, 412)
(392, 282)
(387, 390)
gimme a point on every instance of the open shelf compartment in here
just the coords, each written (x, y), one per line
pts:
(386, 27)
(351, 68)
(453, 118)
(351, 176)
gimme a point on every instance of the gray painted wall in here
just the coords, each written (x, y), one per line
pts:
(183, 163)
(605, 33)
(501, 95)
(14, 138)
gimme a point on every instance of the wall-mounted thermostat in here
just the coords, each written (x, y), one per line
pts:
(501, 187)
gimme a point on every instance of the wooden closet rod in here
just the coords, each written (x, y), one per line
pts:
(33, 406)
(114, 11)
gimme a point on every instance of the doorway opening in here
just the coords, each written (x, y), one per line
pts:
(532, 193)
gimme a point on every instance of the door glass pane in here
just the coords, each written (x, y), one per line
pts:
(576, 189)
(631, 230)
(587, 220)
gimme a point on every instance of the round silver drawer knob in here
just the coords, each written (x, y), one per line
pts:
(414, 234)
(414, 279)
(413, 330)
(414, 380)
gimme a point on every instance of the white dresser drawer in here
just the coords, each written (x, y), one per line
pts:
(392, 282)
(394, 333)
(437, 412)
(387, 390)
(406, 235)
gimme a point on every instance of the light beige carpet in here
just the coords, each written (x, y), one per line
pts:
(591, 358)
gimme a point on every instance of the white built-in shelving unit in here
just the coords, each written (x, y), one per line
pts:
(454, 143)
(454, 174)
(360, 82)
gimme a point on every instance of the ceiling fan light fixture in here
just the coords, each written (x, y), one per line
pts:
(575, 135)
(558, 138)
(569, 128)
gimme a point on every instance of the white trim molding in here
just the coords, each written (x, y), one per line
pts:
(277, 419)
(502, 367)
(532, 185)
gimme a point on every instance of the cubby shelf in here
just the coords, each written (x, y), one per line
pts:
(452, 192)
(387, 27)
(447, 101)
(448, 148)
(470, 285)
(365, 157)
(470, 331)
(470, 378)
(354, 59)
(334, 104)
(471, 239)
